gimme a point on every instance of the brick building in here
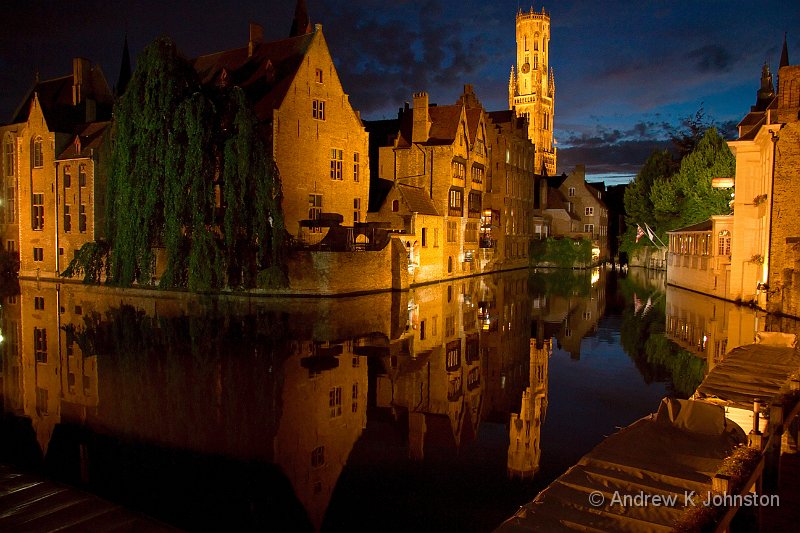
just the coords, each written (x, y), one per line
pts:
(588, 214)
(510, 188)
(317, 139)
(50, 153)
(438, 152)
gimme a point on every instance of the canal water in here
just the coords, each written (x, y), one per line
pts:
(442, 408)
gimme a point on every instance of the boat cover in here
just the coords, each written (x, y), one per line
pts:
(753, 371)
(668, 454)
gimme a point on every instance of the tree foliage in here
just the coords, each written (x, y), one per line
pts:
(667, 196)
(178, 148)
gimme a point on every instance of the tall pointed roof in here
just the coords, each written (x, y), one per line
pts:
(124, 70)
(301, 24)
(784, 54)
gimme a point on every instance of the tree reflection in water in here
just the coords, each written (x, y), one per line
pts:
(389, 410)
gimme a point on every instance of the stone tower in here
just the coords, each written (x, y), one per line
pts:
(531, 90)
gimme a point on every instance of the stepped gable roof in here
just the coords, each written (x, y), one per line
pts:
(265, 76)
(700, 226)
(55, 98)
(444, 123)
(90, 136)
(417, 199)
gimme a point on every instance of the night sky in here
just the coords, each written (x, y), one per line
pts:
(625, 72)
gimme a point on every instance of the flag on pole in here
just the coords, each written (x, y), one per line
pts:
(648, 305)
(639, 232)
(650, 234)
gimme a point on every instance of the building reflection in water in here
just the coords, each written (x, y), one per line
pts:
(709, 327)
(214, 377)
(525, 428)
(212, 399)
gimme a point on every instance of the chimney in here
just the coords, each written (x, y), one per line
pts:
(80, 78)
(422, 123)
(256, 38)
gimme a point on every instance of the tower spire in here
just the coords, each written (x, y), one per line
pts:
(301, 24)
(784, 54)
(124, 70)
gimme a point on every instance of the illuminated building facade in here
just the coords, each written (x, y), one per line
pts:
(531, 89)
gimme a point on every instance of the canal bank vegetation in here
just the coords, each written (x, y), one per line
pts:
(673, 189)
(561, 252)
(189, 175)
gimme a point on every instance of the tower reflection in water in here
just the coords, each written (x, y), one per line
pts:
(206, 410)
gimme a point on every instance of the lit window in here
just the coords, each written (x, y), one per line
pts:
(8, 153)
(335, 402)
(456, 204)
(40, 344)
(11, 214)
(37, 157)
(336, 163)
(477, 174)
(459, 170)
(318, 109)
(37, 212)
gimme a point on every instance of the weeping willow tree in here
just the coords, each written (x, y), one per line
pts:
(141, 136)
(174, 145)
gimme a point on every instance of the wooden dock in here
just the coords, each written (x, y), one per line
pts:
(30, 503)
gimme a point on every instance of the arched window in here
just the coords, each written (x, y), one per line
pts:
(395, 206)
(8, 155)
(37, 159)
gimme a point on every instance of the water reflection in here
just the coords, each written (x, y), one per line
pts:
(709, 327)
(254, 413)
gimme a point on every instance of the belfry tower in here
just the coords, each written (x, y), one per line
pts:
(531, 90)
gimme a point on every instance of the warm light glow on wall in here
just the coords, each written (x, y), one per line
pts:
(722, 183)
